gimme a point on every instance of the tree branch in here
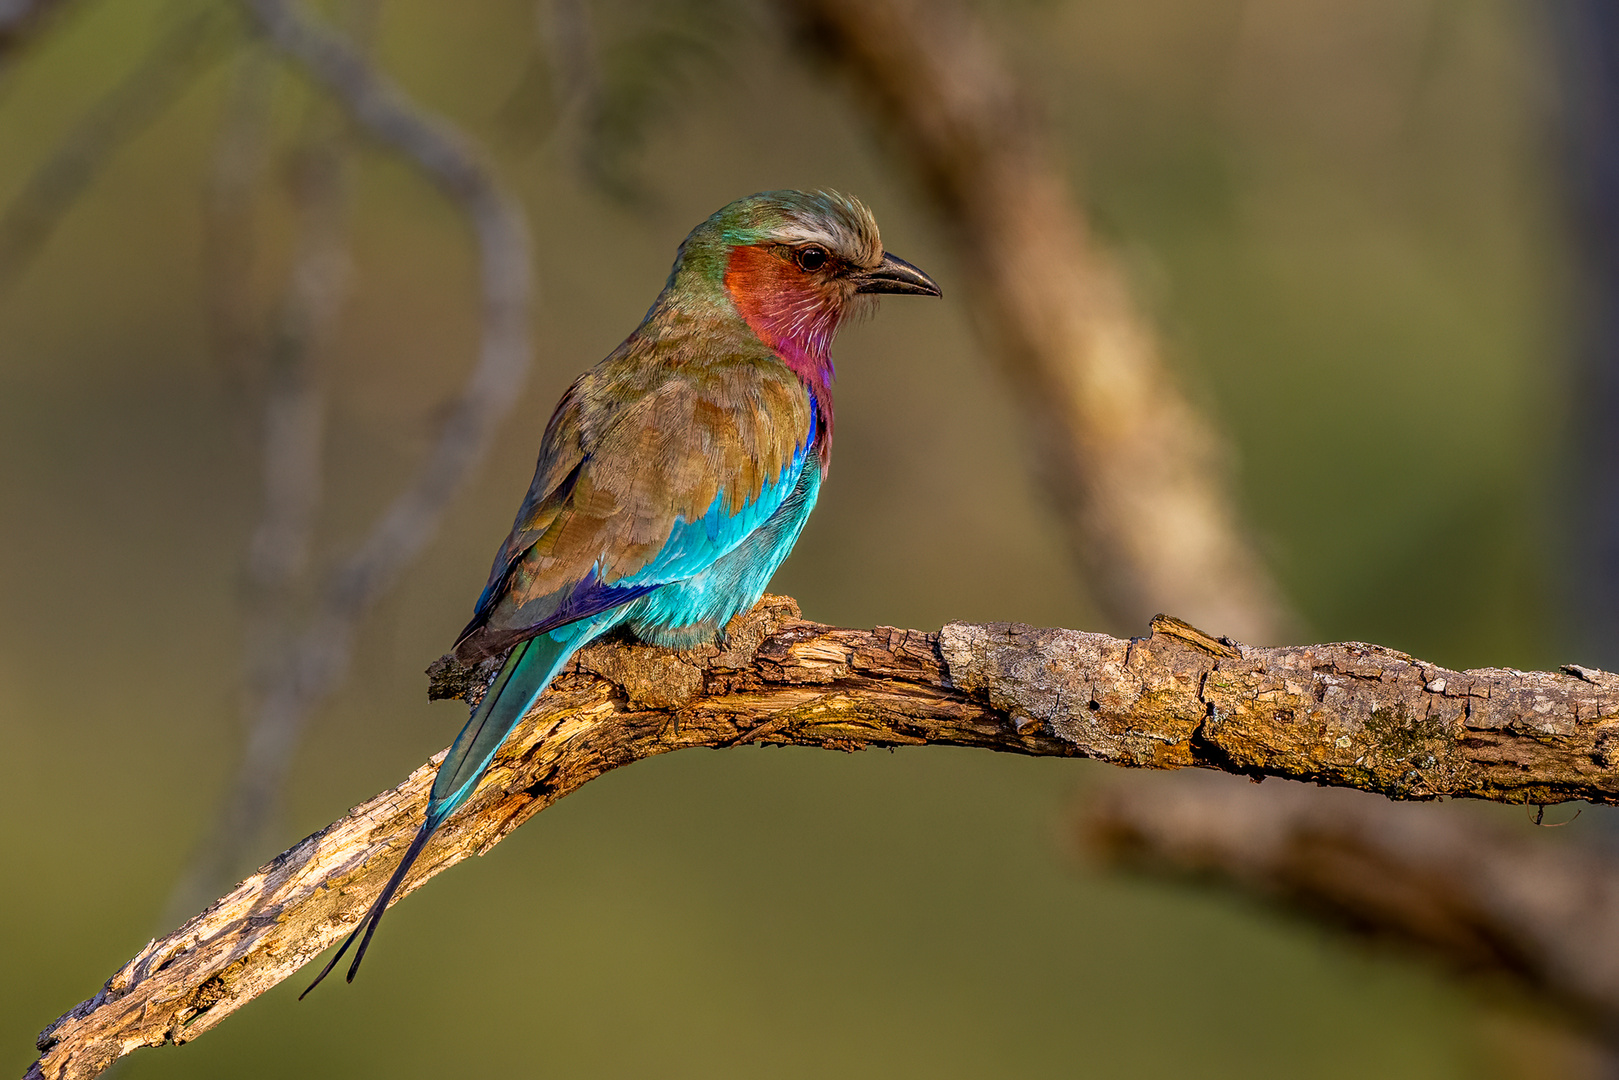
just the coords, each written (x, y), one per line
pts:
(1483, 900)
(1349, 714)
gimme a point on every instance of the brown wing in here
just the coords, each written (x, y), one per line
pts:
(633, 450)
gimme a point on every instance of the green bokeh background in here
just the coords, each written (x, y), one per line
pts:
(1344, 219)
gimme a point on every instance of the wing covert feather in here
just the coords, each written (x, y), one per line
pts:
(629, 494)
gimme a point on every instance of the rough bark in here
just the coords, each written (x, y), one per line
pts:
(1484, 900)
(1347, 714)
(1135, 474)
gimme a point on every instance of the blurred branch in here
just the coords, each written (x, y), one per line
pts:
(229, 247)
(1135, 473)
(561, 82)
(560, 93)
(173, 62)
(1482, 900)
(1347, 714)
(613, 91)
(297, 674)
(17, 17)
(638, 79)
(572, 50)
(501, 231)
(292, 434)
(20, 21)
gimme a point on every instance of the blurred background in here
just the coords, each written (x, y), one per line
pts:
(1360, 231)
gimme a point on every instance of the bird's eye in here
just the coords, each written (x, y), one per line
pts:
(811, 257)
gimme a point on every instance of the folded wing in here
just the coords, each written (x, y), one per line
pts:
(639, 486)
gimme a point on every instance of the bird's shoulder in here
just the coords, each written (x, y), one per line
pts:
(675, 406)
(661, 432)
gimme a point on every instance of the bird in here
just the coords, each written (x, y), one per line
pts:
(673, 477)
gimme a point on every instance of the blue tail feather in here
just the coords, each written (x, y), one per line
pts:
(522, 679)
(527, 671)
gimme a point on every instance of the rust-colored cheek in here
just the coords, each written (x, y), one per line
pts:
(796, 317)
(753, 276)
(772, 295)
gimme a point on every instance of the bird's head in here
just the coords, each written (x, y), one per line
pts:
(796, 264)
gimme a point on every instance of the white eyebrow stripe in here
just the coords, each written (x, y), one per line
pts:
(804, 233)
(848, 244)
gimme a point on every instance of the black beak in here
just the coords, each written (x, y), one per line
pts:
(895, 275)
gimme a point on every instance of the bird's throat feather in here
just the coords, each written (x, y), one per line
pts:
(797, 319)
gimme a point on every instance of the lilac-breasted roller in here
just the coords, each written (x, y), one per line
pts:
(675, 475)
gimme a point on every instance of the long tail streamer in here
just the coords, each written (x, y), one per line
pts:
(521, 680)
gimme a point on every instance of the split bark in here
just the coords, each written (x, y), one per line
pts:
(1351, 715)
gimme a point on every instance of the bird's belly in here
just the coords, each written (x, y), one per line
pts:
(691, 612)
